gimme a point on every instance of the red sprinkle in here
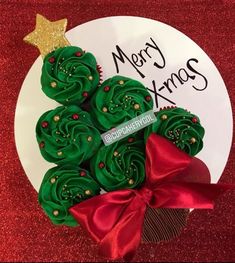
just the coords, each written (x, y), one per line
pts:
(78, 54)
(85, 94)
(75, 116)
(106, 88)
(148, 98)
(131, 139)
(51, 60)
(41, 145)
(44, 124)
(194, 120)
(101, 165)
(82, 173)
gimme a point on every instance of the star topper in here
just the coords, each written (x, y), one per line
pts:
(48, 36)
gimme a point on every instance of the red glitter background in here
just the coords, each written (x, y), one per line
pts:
(26, 233)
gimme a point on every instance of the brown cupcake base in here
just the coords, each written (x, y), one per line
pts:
(162, 224)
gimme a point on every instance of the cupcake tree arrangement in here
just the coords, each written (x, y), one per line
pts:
(70, 137)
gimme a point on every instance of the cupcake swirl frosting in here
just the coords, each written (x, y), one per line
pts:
(67, 135)
(179, 126)
(63, 187)
(118, 100)
(120, 165)
(69, 75)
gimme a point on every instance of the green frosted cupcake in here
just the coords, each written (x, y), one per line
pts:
(69, 75)
(63, 187)
(120, 165)
(179, 126)
(118, 100)
(67, 135)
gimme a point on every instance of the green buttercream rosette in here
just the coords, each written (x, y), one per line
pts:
(179, 126)
(120, 165)
(69, 75)
(117, 100)
(67, 135)
(63, 187)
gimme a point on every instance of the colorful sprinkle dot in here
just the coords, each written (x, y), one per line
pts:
(192, 140)
(42, 145)
(51, 60)
(101, 165)
(136, 106)
(89, 138)
(194, 120)
(78, 54)
(85, 94)
(88, 192)
(44, 124)
(106, 88)
(82, 173)
(104, 109)
(56, 118)
(55, 212)
(53, 180)
(164, 117)
(131, 181)
(75, 116)
(53, 84)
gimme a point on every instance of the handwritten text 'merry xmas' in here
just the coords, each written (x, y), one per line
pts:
(176, 79)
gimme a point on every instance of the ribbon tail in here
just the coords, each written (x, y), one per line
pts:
(188, 195)
(124, 239)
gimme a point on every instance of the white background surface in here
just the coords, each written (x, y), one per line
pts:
(131, 34)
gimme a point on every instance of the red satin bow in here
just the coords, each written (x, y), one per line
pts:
(115, 219)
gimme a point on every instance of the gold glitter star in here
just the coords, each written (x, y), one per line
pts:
(48, 35)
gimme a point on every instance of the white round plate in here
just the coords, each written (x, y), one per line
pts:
(155, 54)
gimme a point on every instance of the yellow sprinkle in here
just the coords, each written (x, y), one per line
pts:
(131, 181)
(59, 153)
(164, 117)
(88, 192)
(56, 118)
(136, 106)
(55, 212)
(192, 140)
(104, 109)
(53, 84)
(53, 180)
